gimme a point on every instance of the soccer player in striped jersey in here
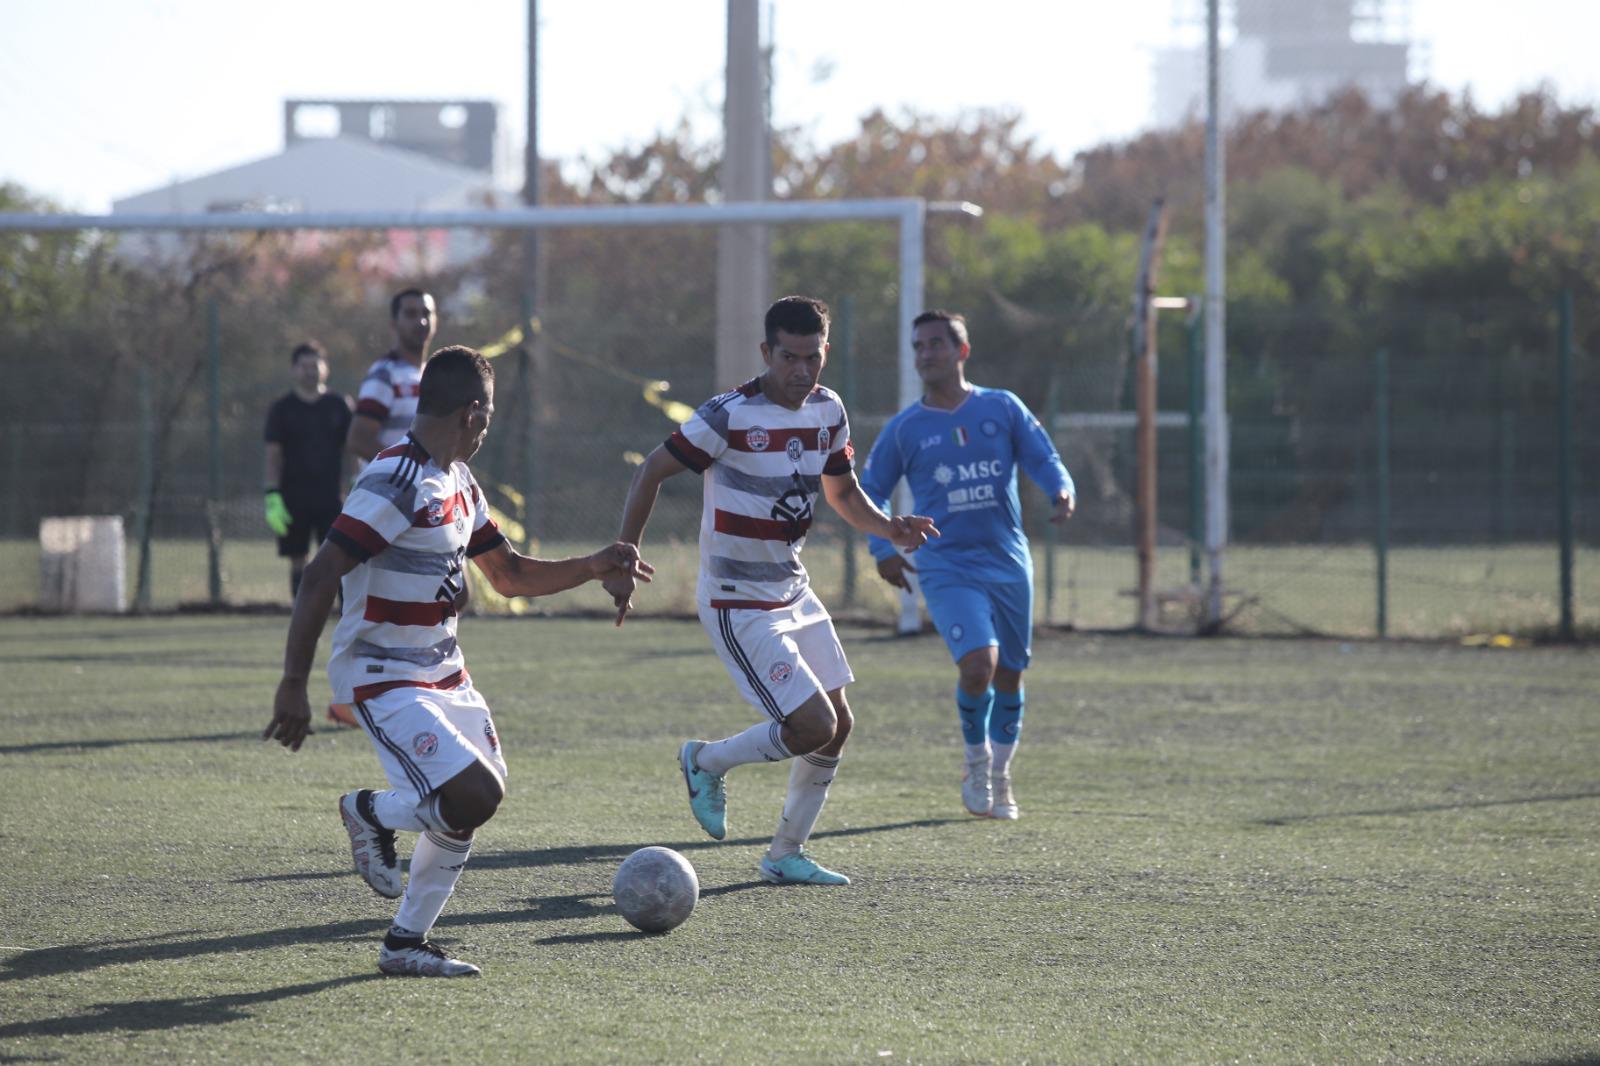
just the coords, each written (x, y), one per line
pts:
(387, 401)
(399, 547)
(765, 450)
(959, 449)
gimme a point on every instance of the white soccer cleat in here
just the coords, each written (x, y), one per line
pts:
(422, 959)
(372, 848)
(975, 792)
(1005, 804)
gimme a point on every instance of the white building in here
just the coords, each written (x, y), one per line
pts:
(332, 173)
(1289, 53)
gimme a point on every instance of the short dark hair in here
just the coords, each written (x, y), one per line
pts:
(955, 323)
(452, 379)
(800, 315)
(397, 298)
(303, 347)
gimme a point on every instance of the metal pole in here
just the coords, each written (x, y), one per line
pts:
(527, 428)
(1197, 438)
(1216, 349)
(214, 435)
(844, 354)
(147, 488)
(1381, 385)
(912, 224)
(1565, 400)
(14, 482)
(1145, 325)
(1052, 531)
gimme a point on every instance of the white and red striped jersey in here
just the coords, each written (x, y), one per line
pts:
(413, 525)
(763, 467)
(389, 394)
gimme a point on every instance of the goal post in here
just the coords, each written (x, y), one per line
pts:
(910, 214)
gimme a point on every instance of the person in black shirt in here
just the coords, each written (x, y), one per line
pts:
(305, 469)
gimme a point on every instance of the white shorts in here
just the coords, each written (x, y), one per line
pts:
(426, 736)
(778, 659)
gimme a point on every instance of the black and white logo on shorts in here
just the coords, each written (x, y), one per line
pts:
(957, 632)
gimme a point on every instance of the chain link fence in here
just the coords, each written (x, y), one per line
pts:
(146, 402)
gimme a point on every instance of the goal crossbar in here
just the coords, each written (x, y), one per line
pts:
(910, 212)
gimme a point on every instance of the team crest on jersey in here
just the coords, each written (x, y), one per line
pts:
(990, 427)
(435, 512)
(795, 449)
(780, 673)
(424, 744)
(757, 439)
(488, 734)
(461, 521)
(824, 438)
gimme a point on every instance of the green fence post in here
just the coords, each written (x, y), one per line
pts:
(526, 365)
(14, 478)
(147, 488)
(1052, 531)
(1566, 460)
(1508, 474)
(1197, 442)
(1381, 385)
(844, 352)
(214, 433)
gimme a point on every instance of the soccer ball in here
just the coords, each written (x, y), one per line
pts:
(655, 889)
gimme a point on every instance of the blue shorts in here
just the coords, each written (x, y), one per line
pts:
(982, 615)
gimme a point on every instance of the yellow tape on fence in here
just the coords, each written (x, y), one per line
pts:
(652, 389)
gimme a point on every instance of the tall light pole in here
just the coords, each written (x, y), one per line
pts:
(743, 259)
(1216, 333)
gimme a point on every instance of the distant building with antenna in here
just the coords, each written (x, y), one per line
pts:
(1283, 54)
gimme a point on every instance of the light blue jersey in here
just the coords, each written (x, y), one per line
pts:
(961, 466)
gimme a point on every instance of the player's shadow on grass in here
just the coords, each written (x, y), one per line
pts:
(95, 745)
(145, 1015)
(79, 958)
(1425, 808)
(587, 853)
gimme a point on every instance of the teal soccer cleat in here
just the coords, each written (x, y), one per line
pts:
(799, 869)
(708, 800)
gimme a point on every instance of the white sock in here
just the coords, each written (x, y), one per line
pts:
(978, 752)
(396, 808)
(435, 868)
(809, 779)
(762, 742)
(1002, 758)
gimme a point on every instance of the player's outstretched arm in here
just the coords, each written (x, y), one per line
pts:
(903, 531)
(636, 510)
(511, 573)
(291, 710)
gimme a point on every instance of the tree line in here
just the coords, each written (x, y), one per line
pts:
(1433, 228)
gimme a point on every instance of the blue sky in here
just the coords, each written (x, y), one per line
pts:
(104, 98)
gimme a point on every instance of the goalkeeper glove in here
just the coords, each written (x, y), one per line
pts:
(278, 518)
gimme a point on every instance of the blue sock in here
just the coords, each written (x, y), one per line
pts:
(1005, 725)
(974, 711)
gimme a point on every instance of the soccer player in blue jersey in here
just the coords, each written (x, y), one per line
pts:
(959, 448)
